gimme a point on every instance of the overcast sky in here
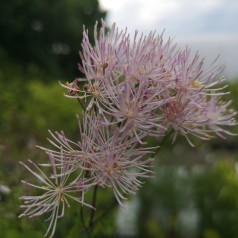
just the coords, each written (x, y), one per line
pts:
(178, 17)
(211, 26)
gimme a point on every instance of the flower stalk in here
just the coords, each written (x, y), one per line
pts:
(135, 87)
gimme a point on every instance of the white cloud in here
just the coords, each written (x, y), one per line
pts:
(112, 5)
(178, 17)
(152, 10)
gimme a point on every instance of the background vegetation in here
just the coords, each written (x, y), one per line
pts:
(195, 191)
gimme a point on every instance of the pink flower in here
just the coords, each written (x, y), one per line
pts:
(77, 154)
(102, 58)
(144, 85)
(114, 61)
(184, 116)
(147, 57)
(193, 106)
(110, 159)
(218, 116)
(192, 77)
(198, 115)
(118, 164)
(135, 107)
(56, 189)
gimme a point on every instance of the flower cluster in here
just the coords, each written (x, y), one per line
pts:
(135, 86)
(146, 85)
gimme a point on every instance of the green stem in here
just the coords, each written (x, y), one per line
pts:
(103, 214)
(167, 135)
(91, 221)
(81, 104)
(83, 220)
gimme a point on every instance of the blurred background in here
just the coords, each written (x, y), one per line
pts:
(195, 191)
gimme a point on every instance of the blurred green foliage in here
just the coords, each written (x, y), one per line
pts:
(39, 46)
(217, 200)
(45, 36)
(200, 202)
